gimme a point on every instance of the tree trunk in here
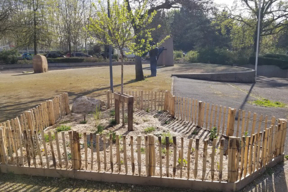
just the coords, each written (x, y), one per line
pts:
(35, 28)
(122, 88)
(139, 69)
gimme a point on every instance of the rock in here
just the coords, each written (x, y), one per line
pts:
(86, 105)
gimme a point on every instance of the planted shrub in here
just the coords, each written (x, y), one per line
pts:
(163, 139)
(63, 128)
(178, 54)
(149, 130)
(9, 56)
(192, 56)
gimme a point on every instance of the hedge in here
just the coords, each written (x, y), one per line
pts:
(270, 61)
(66, 60)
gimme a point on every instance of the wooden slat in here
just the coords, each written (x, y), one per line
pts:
(65, 151)
(38, 149)
(132, 155)
(111, 153)
(160, 156)
(254, 123)
(31, 140)
(26, 146)
(211, 116)
(175, 155)
(193, 111)
(125, 154)
(243, 123)
(139, 154)
(242, 156)
(264, 147)
(196, 158)
(52, 150)
(118, 153)
(219, 120)
(224, 118)
(45, 149)
(204, 159)
(258, 151)
(247, 139)
(247, 121)
(104, 150)
(167, 156)
(58, 149)
(212, 159)
(189, 108)
(221, 159)
(251, 154)
(189, 158)
(181, 157)
(238, 122)
(215, 115)
(92, 149)
(98, 152)
(207, 115)
(147, 154)
(3, 151)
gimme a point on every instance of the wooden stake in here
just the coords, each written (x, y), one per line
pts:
(58, 149)
(111, 152)
(76, 150)
(3, 151)
(108, 99)
(125, 154)
(65, 151)
(98, 152)
(181, 157)
(118, 154)
(247, 139)
(92, 149)
(204, 159)
(221, 158)
(167, 156)
(231, 121)
(254, 123)
(175, 155)
(232, 162)
(215, 116)
(132, 155)
(207, 112)
(212, 158)
(189, 158)
(45, 149)
(151, 156)
(200, 114)
(139, 154)
(104, 150)
(196, 158)
(51, 112)
(211, 116)
(238, 122)
(38, 149)
(247, 122)
(52, 150)
(224, 116)
(219, 120)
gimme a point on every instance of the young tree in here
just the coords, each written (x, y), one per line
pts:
(117, 30)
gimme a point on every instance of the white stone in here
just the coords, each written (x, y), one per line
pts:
(86, 105)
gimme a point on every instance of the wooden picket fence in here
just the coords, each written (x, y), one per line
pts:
(25, 143)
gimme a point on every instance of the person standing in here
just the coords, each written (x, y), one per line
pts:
(154, 55)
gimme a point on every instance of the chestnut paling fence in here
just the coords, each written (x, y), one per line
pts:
(250, 143)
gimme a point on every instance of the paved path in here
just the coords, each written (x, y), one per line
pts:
(237, 95)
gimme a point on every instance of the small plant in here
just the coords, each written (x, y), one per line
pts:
(46, 137)
(83, 122)
(166, 122)
(147, 110)
(121, 162)
(63, 128)
(193, 150)
(213, 133)
(142, 150)
(184, 162)
(100, 129)
(164, 135)
(246, 134)
(112, 122)
(113, 136)
(286, 157)
(149, 130)
(218, 166)
(97, 114)
(80, 135)
(69, 156)
(195, 132)
(112, 113)
(164, 151)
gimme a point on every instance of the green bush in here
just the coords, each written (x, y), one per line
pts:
(277, 56)
(178, 54)
(115, 56)
(66, 60)
(270, 61)
(192, 57)
(63, 128)
(164, 135)
(9, 56)
(215, 56)
(149, 130)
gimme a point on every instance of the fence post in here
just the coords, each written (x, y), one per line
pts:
(2, 149)
(230, 123)
(117, 109)
(166, 101)
(283, 123)
(76, 150)
(151, 156)
(51, 114)
(66, 100)
(172, 113)
(130, 113)
(232, 159)
(200, 114)
(108, 99)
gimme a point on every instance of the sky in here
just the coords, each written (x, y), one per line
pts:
(225, 2)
